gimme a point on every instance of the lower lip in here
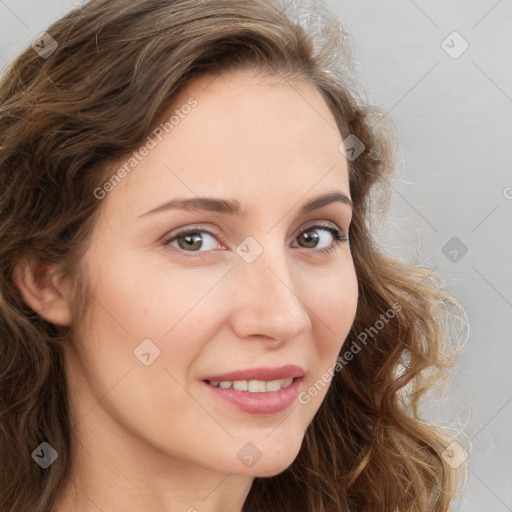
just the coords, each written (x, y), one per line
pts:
(268, 402)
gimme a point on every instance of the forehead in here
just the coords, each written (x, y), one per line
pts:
(242, 135)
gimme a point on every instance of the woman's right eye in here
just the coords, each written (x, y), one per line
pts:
(191, 239)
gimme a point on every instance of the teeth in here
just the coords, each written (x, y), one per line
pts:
(273, 385)
(253, 386)
(257, 386)
(240, 385)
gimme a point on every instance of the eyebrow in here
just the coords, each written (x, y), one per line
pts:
(233, 207)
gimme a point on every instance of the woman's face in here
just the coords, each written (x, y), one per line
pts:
(267, 292)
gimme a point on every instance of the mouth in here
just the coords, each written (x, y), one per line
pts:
(259, 391)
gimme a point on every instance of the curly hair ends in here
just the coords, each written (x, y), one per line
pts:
(93, 100)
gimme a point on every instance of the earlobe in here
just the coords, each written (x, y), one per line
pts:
(41, 289)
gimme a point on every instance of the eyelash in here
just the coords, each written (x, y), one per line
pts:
(338, 236)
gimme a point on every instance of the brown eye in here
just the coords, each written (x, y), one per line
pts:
(192, 240)
(311, 238)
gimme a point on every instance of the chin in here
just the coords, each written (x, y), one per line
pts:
(272, 469)
(271, 460)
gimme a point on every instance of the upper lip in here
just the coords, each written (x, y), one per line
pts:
(289, 371)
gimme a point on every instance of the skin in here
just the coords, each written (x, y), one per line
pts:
(150, 437)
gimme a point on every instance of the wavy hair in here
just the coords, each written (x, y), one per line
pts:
(92, 98)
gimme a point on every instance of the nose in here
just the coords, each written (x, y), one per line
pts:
(266, 300)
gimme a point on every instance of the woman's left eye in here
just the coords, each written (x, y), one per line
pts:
(191, 240)
(309, 236)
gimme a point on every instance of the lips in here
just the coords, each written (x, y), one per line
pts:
(266, 374)
(259, 391)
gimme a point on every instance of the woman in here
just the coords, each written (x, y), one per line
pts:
(194, 313)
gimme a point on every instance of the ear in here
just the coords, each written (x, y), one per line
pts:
(43, 290)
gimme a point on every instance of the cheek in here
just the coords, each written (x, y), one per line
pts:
(137, 297)
(333, 308)
(135, 354)
(142, 327)
(333, 303)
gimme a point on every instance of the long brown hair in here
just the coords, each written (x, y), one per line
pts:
(91, 97)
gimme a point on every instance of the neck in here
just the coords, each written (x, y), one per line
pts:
(122, 472)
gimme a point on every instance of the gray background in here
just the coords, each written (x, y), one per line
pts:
(453, 179)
